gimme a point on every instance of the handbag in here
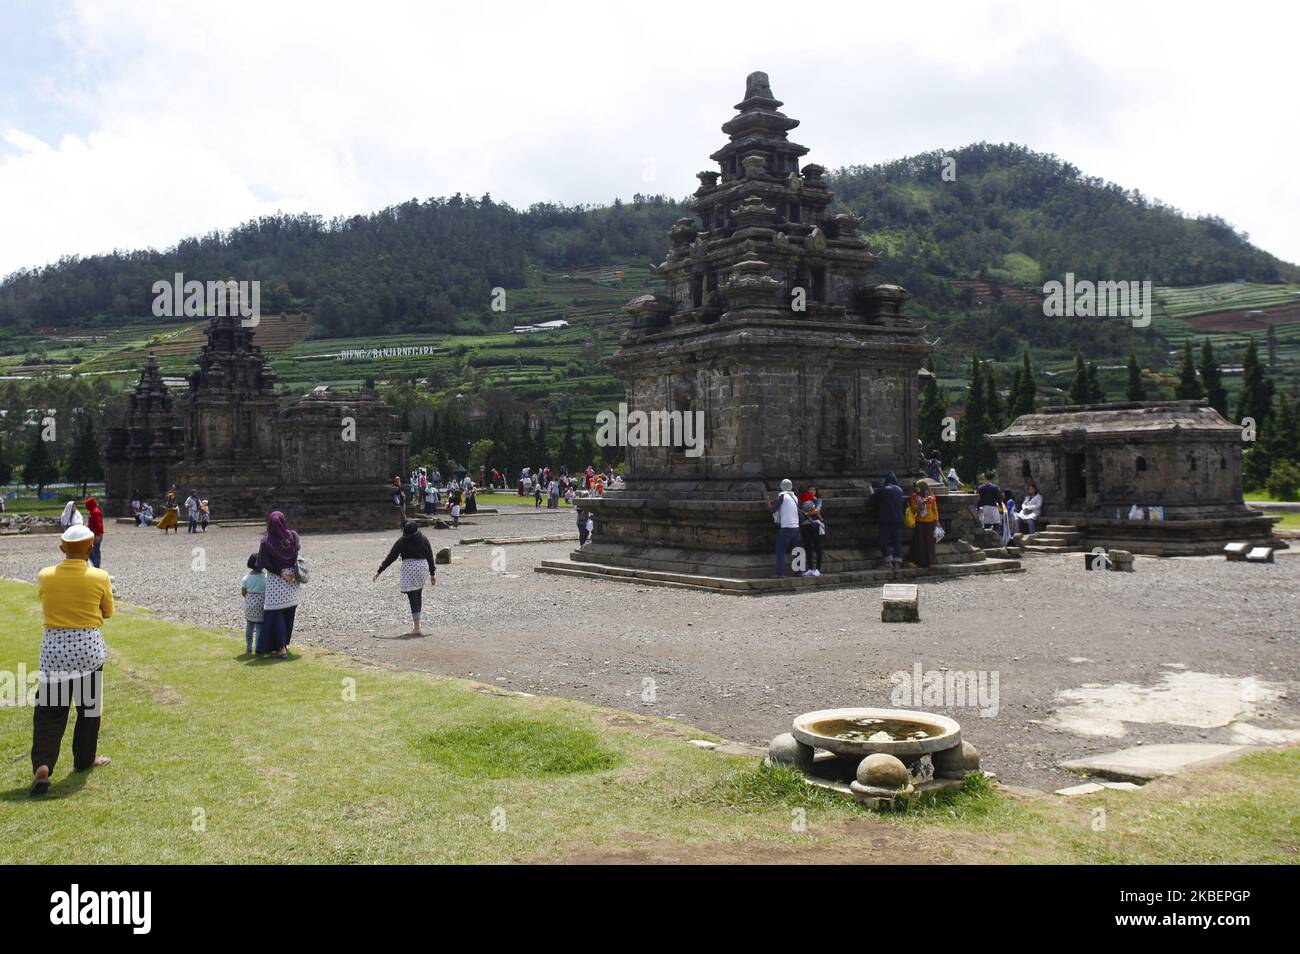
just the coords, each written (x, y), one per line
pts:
(301, 570)
(909, 516)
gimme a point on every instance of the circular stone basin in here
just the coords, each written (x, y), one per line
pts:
(849, 731)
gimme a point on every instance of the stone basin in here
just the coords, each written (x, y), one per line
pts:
(942, 732)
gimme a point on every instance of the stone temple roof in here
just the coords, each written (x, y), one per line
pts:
(1145, 420)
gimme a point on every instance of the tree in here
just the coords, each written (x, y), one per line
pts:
(992, 399)
(1256, 398)
(1189, 386)
(1095, 394)
(39, 469)
(568, 447)
(933, 411)
(6, 466)
(85, 466)
(1027, 394)
(1079, 386)
(974, 453)
(1136, 390)
(1212, 379)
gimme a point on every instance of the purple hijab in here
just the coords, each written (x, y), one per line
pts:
(279, 542)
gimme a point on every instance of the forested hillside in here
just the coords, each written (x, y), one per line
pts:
(1011, 216)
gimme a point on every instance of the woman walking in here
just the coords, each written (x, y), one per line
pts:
(926, 507)
(278, 556)
(417, 569)
(96, 524)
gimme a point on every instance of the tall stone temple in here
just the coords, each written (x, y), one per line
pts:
(800, 366)
(324, 459)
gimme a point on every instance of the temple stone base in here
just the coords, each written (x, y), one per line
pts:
(1203, 536)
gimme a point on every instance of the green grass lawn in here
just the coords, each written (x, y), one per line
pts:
(221, 758)
(27, 501)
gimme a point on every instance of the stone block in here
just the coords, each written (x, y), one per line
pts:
(785, 749)
(1260, 555)
(1145, 762)
(443, 555)
(1236, 551)
(900, 603)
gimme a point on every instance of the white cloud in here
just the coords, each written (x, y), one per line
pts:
(204, 115)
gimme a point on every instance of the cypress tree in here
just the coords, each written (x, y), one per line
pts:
(6, 466)
(1256, 399)
(1095, 394)
(1079, 386)
(39, 469)
(993, 400)
(1189, 386)
(1136, 390)
(1212, 379)
(1027, 395)
(973, 451)
(85, 465)
(933, 411)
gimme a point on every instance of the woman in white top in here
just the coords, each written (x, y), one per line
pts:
(1031, 508)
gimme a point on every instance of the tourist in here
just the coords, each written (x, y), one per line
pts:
(812, 528)
(537, 493)
(399, 499)
(453, 504)
(989, 496)
(278, 554)
(71, 517)
(95, 520)
(417, 569)
(889, 509)
(205, 514)
(75, 598)
(146, 514)
(934, 467)
(192, 511)
(553, 494)
(953, 481)
(925, 506)
(253, 589)
(1031, 509)
(471, 497)
(1008, 516)
(171, 518)
(137, 506)
(584, 526)
(785, 512)
(430, 498)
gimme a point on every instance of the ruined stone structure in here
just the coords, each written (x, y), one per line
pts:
(1092, 463)
(140, 453)
(325, 459)
(800, 368)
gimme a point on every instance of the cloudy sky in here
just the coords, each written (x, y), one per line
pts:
(128, 124)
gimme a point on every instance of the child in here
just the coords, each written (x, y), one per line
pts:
(453, 500)
(253, 589)
(204, 514)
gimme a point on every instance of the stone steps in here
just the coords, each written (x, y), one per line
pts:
(750, 587)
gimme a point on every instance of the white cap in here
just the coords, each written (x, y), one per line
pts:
(785, 484)
(77, 533)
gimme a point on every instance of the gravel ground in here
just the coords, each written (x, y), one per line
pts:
(743, 667)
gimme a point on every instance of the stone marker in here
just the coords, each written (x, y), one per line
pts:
(443, 555)
(1087, 788)
(1120, 560)
(1096, 561)
(900, 603)
(1235, 551)
(1145, 762)
(1260, 555)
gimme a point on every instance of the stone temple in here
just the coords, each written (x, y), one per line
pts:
(324, 459)
(1093, 463)
(801, 368)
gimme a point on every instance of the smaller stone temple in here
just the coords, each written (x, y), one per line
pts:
(1093, 463)
(141, 452)
(324, 459)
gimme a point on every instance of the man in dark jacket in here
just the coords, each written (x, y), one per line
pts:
(889, 507)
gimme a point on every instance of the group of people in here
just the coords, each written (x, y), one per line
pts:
(198, 512)
(912, 514)
(556, 484)
(422, 491)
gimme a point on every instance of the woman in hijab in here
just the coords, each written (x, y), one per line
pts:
(1008, 516)
(70, 517)
(278, 556)
(954, 482)
(171, 517)
(417, 569)
(926, 507)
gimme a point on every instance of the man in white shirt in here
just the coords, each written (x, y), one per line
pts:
(786, 511)
(192, 509)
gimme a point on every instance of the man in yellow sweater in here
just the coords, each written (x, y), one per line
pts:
(76, 598)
